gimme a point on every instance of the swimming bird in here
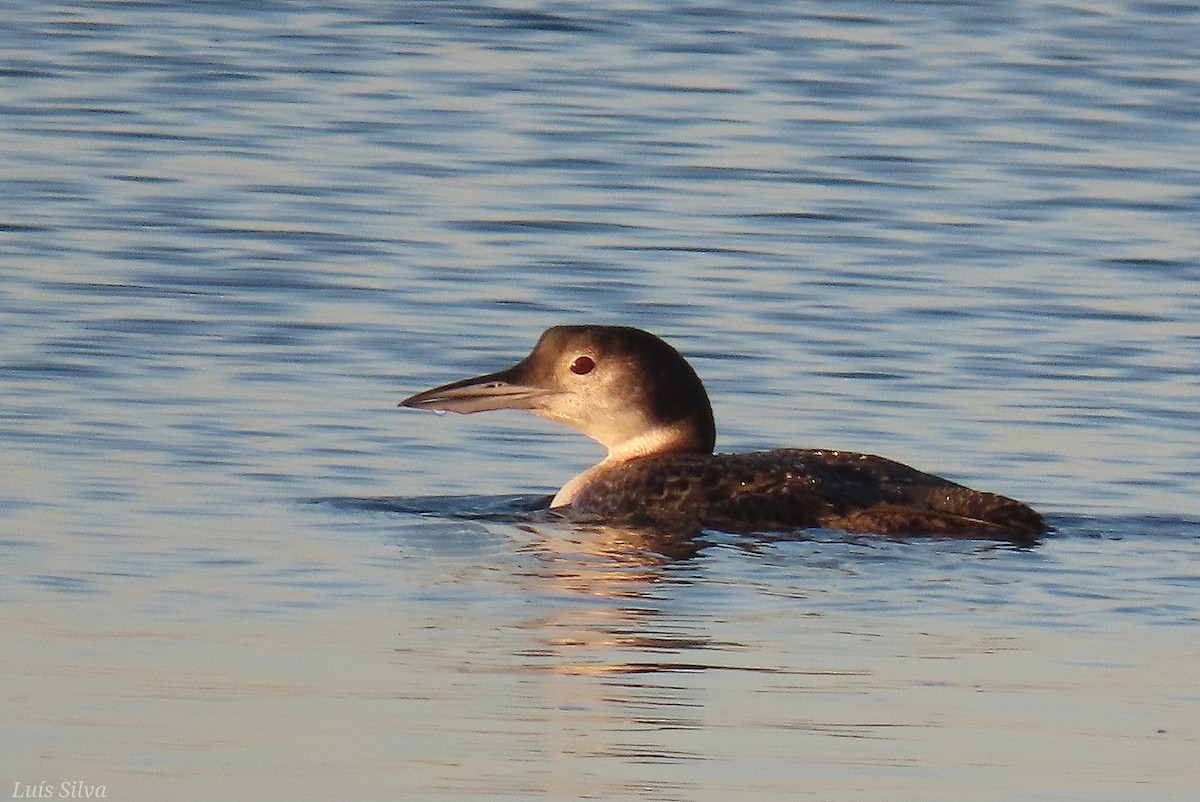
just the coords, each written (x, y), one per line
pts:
(637, 396)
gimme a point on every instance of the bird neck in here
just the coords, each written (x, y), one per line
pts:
(674, 439)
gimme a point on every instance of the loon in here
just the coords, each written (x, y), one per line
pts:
(637, 396)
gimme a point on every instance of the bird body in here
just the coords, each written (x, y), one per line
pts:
(636, 395)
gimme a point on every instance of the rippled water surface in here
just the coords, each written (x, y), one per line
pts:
(960, 235)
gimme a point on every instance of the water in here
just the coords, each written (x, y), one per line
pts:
(959, 236)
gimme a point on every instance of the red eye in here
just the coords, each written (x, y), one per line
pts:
(582, 365)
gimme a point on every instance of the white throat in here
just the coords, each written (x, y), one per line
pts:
(663, 440)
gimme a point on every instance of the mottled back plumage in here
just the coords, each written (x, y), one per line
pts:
(788, 489)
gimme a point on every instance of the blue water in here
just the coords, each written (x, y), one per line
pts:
(233, 239)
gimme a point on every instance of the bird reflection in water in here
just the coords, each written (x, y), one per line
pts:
(624, 579)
